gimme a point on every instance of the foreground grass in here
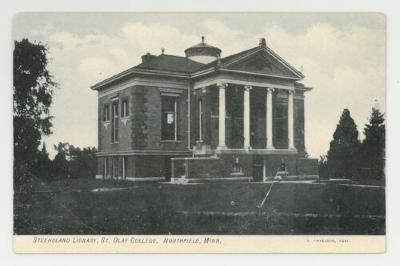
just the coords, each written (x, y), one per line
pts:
(72, 207)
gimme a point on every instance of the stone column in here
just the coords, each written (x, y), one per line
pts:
(246, 117)
(123, 168)
(222, 115)
(268, 116)
(200, 110)
(290, 120)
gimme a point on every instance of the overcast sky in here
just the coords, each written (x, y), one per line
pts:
(342, 57)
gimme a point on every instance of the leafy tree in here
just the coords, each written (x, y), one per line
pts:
(342, 159)
(33, 90)
(372, 155)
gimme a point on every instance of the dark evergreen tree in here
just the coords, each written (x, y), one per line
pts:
(83, 163)
(343, 150)
(323, 167)
(61, 161)
(33, 90)
(372, 155)
(42, 167)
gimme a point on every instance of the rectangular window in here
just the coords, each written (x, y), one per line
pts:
(125, 108)
(124, 167)
(106, 113)
(115, 122)
(169, 118)
(105, 168)
(113, 168)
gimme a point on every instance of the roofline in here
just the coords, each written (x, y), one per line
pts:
(251, 52)
(256, 74)
(303, 88)
(284, 62)
(206, 71)
(133, 70)
(275, 55)
(203, 72)
(179, 75)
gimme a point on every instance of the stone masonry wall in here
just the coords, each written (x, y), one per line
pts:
(152, 109)
(104, 127)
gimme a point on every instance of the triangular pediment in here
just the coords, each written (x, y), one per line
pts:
(264, 62)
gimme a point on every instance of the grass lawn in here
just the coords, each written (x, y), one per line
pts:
(87, 207)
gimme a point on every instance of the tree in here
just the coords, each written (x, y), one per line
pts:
(342, 159)
(61, 161)
(74, 162)
(42, 166)
(372, 155)
(323, 167)
(83, 162)
(33, 90)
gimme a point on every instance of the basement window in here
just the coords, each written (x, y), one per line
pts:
(236, 168)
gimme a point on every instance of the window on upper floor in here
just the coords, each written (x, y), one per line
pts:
(125, 107)
(169, 118)
(115, 121)
(106, 113)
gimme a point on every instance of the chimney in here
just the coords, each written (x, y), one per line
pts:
(147, 57)
(263, 42)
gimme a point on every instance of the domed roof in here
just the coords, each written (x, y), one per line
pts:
(202, 49)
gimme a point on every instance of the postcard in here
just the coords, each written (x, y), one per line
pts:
(199, 132)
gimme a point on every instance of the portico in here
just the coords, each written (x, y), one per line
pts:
(246, 89)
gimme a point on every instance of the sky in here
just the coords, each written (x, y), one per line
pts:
(342, 56)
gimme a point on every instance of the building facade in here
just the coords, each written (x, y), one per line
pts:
(205, 117)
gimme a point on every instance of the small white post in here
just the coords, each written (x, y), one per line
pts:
(123, 168)
(105, 168)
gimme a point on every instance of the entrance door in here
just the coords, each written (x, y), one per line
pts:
(235, 111)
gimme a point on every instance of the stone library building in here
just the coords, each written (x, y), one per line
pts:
(203, 117)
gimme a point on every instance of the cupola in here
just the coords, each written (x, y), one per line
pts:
(203, 52)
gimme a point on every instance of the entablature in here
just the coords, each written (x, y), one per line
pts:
(151, 82)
